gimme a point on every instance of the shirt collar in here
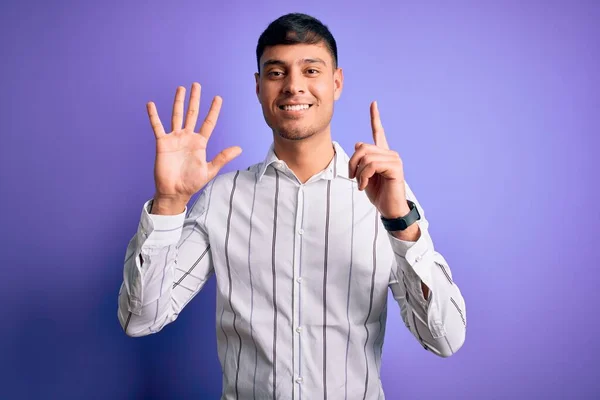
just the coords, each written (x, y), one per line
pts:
(337, 168)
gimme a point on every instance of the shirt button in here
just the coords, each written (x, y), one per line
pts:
(419, 258)
(299, 380)
(299, 329)
(299, 279)
(301, 231)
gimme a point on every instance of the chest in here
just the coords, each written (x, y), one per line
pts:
(323, 240)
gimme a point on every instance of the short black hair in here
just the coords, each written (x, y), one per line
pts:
(295, 28)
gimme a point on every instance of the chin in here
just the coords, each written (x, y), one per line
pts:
(295, 133)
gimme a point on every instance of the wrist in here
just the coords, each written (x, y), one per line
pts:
(403, 221)
(163, 205)
(410, 234)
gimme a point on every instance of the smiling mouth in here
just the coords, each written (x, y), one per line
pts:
(295, 107)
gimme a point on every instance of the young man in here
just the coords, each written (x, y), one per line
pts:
(304, 245)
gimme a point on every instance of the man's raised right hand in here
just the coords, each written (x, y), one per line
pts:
(181, 169)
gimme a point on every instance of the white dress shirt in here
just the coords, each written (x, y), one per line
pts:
(303, 272)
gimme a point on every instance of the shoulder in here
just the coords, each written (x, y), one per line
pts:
(218, 192)
(224, 183)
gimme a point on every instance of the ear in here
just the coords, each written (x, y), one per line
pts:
(257, 79)
(338, 83)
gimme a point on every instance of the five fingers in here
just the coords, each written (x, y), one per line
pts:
(191, 116)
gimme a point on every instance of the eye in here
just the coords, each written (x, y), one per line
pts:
(275, 74)
(312, 71)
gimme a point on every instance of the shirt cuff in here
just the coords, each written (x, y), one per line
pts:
(160, 230)
(412, 251)
(419, 254)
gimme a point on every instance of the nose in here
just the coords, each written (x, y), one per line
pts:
(294, 83)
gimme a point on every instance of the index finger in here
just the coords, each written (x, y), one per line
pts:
(211, 118)
(378, 133)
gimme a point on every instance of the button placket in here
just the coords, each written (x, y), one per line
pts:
(298, 278)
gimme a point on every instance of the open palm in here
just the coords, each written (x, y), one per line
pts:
(181, 168)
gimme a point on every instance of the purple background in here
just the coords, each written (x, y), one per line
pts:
(494, 109)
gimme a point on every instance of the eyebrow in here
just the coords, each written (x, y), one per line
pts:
(303, 61)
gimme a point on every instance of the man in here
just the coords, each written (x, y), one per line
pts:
(304, 245)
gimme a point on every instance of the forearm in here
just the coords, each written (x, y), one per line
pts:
(433, 307)
(440, 329)
(168, 262)
(145, 295)
(412, 234)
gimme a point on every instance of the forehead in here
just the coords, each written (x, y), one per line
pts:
(294, 53)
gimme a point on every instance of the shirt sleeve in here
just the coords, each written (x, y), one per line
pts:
(167, 263)
(439, 322)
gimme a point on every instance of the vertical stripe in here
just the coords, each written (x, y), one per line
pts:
(222, 312)
(294, 304)
(371, 300)
(252, 295)
(335, 155)
(259, 374)
(237, 367)
(300, 300)
(274, 361)
(161, 285)
(378, 342)
(348, 298)
(325, 289)
(410, 310)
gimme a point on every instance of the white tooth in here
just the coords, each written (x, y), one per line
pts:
(296, 107)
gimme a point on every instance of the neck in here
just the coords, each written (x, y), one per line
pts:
(305, 157)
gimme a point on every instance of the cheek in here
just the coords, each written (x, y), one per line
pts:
(325, 93)
(266, 96)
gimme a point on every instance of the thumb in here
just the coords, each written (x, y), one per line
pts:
(223, 158)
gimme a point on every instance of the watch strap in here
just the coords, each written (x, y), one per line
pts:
(401, 223)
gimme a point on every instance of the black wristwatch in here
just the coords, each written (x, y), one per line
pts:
(401, 223)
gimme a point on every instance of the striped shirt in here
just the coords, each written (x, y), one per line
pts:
(302, 274)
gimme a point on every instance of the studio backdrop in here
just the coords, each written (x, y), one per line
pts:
(492, 105)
